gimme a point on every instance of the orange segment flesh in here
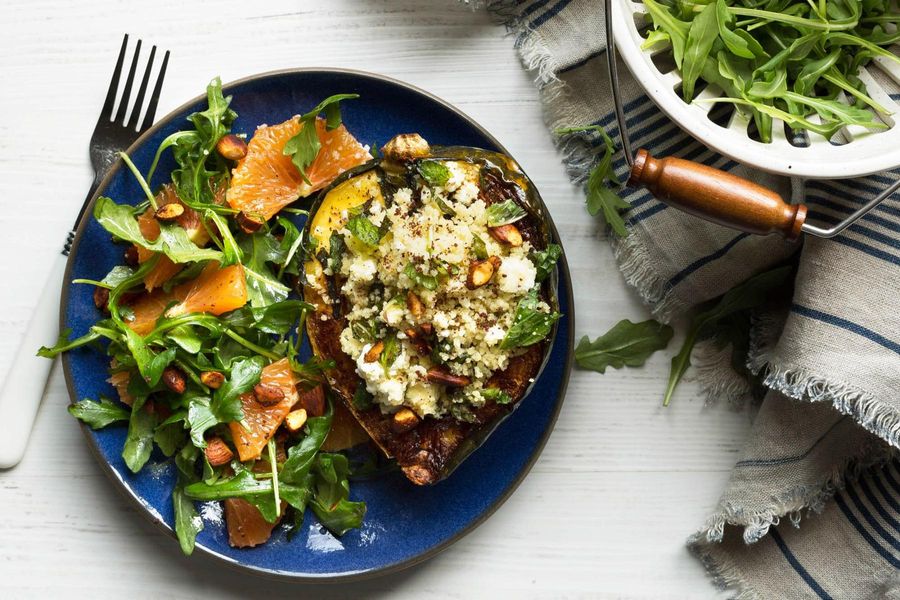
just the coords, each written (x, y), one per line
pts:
(216, 291)
(265, 181)
(189, 220)
(246, 526)
(262, 421)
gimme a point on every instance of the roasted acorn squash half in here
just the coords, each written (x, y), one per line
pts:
(427, 445)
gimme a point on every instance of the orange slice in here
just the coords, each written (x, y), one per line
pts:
(265, 181)
(262, 421)
(216, 291)
(189, 220)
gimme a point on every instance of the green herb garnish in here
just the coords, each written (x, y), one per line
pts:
(530, 325)
(434, 172)
(545, 261)
(504, 213)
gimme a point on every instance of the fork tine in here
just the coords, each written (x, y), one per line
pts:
(150, 115)
(136, 109)
(126, 93)
(106, 111)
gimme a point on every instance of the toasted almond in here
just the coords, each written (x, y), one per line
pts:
(507, 234)
(480, 272)
(404, 420)
(246, 223)
(374, 352)
(173, 379)
(231, 147)
(295, 420)
(268, 394)
(414, 304)
(212, 379)
(217, 452)
(170, 211)
(438, 374)
(101, 298)
(131, 256)
(406, 146)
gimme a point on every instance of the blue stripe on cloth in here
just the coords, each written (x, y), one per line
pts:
(534, 6)
(817, 204)
(861, 530)
(864, 231)
(851, 187)
(867, 249)
(859, 330)
(704, 260)
(879, 508)
(885, 493)
(583, 61)
(759, 462)
(549, 14)
(801, 571)
(891, 481)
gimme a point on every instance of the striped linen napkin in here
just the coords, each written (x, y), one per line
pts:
(824, 438)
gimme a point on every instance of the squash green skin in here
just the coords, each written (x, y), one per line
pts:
(435, 447)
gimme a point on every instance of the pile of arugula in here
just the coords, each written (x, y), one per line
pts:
(238, 344)
(781, 59)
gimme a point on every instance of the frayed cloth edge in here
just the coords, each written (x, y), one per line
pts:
(723, 572)
(791, 502)
(798, 383)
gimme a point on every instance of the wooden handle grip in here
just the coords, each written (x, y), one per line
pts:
(717, 196)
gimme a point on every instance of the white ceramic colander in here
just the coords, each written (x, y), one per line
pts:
(864, 152)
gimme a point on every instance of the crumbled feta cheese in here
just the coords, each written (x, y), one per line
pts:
(516, 275)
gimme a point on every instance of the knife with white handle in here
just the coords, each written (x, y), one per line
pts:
(23, 387)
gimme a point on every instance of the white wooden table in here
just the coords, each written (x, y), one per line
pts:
(622, 481)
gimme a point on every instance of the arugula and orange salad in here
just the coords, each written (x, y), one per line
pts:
(203, 329)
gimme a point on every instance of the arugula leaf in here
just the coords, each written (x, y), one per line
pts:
(173, 241)
(276, 319)
(330, 502)
(503, 213)
(735, 43)
(703, 32)
(102, 329)
(434, 172)
(139, 441)
(169, 437)
(99, 414)
(226, 402)
(200, 417)
(545, 261)
(530, 325)
(300, 456)
(677, 30)
(304, 147)
(748, 295)
(187, 522)
(600, 197)
(626, 343)
(364, 230)
(263, 286)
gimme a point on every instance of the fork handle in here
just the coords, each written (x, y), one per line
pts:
(717, 196)
(24, 385)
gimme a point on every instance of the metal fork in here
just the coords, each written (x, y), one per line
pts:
(24, 385)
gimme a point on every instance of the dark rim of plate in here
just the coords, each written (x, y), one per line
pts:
(126, 490)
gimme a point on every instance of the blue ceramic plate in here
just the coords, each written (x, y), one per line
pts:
(405, 524)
